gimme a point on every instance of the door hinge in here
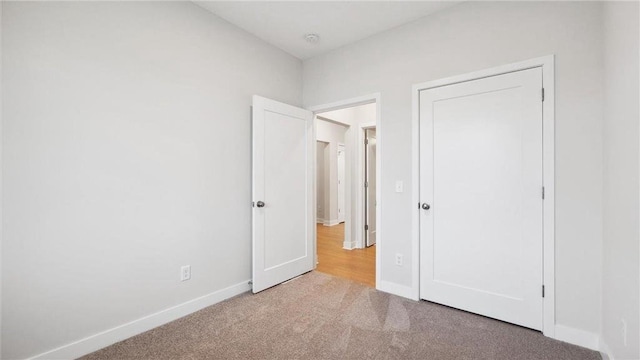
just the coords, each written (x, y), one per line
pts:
(542, 94)
(542, 290)
(543, 193)
(366, 141)
(366, 227)
(253, 204)
(366, 184)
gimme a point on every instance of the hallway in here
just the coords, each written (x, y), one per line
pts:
(357, 265)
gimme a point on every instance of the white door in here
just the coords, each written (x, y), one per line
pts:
(341, 183)
(481, 180)
(370, 182)
(283, 223)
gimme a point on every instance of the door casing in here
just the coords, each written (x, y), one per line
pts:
(548, 136)
(363, 128)
(341, 182)
(357, 217)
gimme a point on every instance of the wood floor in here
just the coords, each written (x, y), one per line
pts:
(357, 265)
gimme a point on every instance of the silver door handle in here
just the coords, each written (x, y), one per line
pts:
(426, 206)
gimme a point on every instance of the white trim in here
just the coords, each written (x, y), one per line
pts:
(396, 289)
(111, 336)
(336, 122)
(348, 245)
(548, 141)
(320, 221)
(361, 193)
(342, 104)
(341, 147)
(578, 337)
(605, 351)
(349, 217)
(548, 159)
(1, 179)
(415, 190)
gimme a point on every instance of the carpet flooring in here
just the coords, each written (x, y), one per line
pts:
(318, 316)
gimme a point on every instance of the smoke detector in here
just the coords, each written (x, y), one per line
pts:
(312, 38)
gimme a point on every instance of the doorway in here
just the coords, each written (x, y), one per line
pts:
(330, 172)
(342, 246)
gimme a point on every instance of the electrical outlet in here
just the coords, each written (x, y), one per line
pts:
(624, 331)
(185, 273)
(398, 259)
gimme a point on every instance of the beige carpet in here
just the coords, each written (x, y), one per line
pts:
(318, 316)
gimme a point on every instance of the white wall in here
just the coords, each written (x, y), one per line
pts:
(126, 154)
(621, 266)
(469, 37)
(333, 134)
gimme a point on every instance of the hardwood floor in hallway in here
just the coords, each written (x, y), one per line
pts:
(357, 265)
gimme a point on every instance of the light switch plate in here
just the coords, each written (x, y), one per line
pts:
(399, 186)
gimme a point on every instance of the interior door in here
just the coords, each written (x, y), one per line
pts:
(481, 192)
(370, 182)
(341, 192)
(283, 223)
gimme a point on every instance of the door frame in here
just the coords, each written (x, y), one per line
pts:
(354, 217)
(362, 193)
(548, 159)
(344, 182)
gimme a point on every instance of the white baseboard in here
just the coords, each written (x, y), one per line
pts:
(348, 245)
(578, 337)
(331, 222)
(320, 221)
(98, 341)
(605, 351)
(396, 289)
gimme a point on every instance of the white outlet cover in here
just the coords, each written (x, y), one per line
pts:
(185, 273)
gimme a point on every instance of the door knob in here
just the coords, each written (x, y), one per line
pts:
(426, 206)
(260, 204)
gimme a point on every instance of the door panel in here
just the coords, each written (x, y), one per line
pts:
(282, 180)
(481, 172)
(370, 174)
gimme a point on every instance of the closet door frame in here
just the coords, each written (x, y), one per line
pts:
(548, 136)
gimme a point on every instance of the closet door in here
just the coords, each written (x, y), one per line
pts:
(481, 191)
